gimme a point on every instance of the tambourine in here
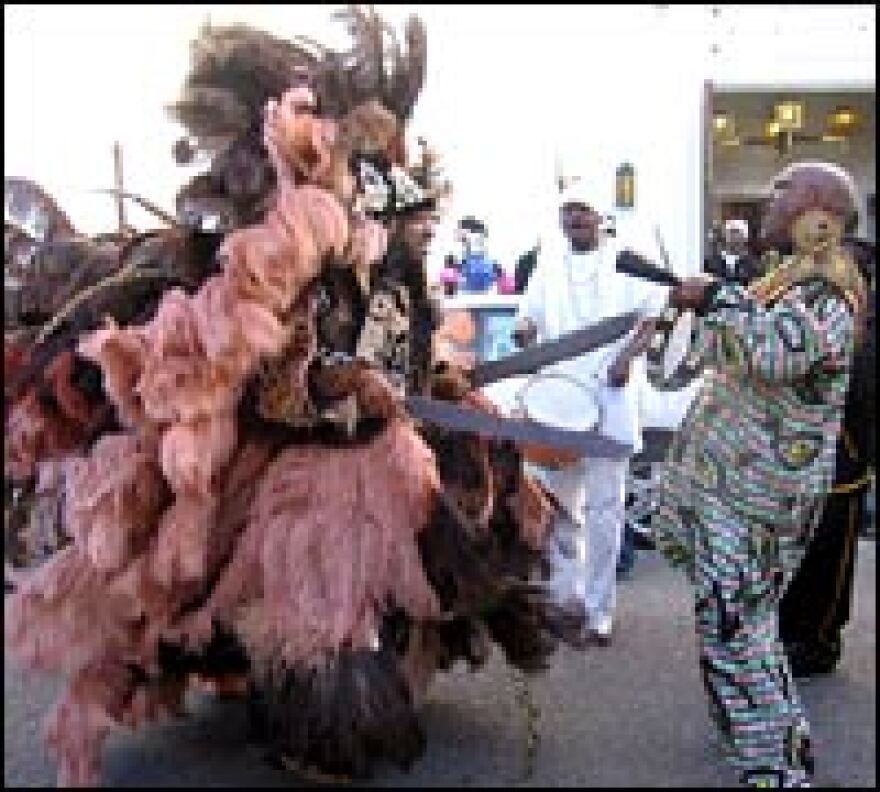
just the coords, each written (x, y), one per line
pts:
(672, 362)
(553, 399)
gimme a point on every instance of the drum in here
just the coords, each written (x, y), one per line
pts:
(671, 357)
(553, 399)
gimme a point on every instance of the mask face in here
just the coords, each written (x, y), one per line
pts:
(815, 230)
(800, 193)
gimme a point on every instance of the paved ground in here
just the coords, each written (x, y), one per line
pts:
(629, 715)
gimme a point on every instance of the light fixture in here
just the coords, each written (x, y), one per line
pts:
(842, 119)
(829, 137)
(789, 115)
(625, 186)
(772, 129)
(721, 123)
(843, 116)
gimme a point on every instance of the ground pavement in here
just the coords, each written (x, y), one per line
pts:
(632, 714)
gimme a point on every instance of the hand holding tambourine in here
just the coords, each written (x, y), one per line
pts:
(670, 364)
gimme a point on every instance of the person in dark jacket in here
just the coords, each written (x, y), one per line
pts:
(817, 604)
(734, 262)
(525, 266)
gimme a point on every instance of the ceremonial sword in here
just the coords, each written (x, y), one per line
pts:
(451, 416)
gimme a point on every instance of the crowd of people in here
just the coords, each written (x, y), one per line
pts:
(269, 476)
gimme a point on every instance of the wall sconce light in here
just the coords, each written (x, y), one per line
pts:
(789, 115)
(772, 129)
(722, 124)
(842, 120)
(625, 192)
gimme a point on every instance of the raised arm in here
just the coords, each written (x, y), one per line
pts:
(809, 327)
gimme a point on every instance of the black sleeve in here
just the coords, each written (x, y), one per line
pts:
(712, 266)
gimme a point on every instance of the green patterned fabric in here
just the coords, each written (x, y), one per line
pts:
(738, 496)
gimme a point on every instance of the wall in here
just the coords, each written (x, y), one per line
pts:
(749, 171)
(507, 90)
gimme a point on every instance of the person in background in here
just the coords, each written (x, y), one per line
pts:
(525, 265)
(574, 284)
(450, 276)
(504, 283)
(734, 262)
(479, 273)
(817, 604)
(627, 559)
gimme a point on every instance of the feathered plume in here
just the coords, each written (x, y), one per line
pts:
(376, 67)
(235, 71)
(31, 210)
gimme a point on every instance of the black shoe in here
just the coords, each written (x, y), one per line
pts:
(642, 541)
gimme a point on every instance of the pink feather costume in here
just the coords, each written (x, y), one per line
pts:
(333, 578)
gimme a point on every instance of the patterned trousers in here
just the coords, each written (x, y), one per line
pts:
(741, 571)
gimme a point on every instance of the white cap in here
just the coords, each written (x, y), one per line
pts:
(737, 224)
(584, 192)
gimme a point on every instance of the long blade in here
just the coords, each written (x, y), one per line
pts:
(568, 346)
(664, 253)
(463, 419)
(636, 266)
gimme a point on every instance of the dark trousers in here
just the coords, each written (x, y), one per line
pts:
(816, 604)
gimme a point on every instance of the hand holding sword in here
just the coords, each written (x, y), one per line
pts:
(523, 432)
(687, 294)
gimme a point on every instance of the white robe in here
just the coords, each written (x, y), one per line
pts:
(566, 292)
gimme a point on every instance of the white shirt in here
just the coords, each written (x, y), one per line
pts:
(730, 260)
(568, 291)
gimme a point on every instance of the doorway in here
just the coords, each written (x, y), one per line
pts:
(752, 132)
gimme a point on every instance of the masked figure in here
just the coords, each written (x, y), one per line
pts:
(749, 470)
(246, 503)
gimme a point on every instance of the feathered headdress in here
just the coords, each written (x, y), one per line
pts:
(428, 172)
(401, 190)
(370, 89)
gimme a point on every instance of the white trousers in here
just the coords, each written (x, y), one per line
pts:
(589, 532)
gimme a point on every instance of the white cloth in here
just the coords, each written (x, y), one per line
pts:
(583, 191)
(730, 261)
(735, 224)
(589, 534)
(568, 291)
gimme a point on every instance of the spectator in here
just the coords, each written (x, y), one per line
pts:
(525, 266)
(734, 262)
(574, 284)
(478, 272)
(450, 275)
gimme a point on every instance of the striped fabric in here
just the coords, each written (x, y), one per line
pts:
(741, 488)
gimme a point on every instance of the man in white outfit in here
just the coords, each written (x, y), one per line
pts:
(575, 284)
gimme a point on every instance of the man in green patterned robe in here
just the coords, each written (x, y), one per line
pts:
(747, 474)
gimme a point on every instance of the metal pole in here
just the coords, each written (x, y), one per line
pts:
(117, 178)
